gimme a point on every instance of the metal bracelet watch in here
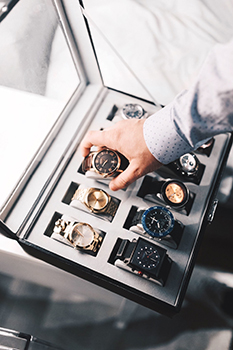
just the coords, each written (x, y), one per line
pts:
(187, 165)
(105, 162)
(80, 235)
(144, 258)
(156, 221)
(96, 200)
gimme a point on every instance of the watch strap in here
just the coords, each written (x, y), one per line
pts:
(87, 162)
(125, 250)
(124, 162)
(150, 185)
(80, 194)
(111, 208)
(62, 227)
(137, 217)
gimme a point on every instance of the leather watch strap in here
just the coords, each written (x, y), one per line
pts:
(125, 249)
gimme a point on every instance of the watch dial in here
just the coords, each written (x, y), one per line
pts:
(147, 257)
(188, 162)
(106, 161)
(82, 235)
(175, 193)
(133, 111)
(97, 199)
(158, 221)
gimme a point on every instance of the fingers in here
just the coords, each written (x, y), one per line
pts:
(131, 174)
(92, 138)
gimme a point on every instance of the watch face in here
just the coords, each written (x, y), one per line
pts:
(147, 257)
(158, 221)
(175, 193)
(97, 199)
(131, 110)
(82, 235)
(106, 162)
(188, 162)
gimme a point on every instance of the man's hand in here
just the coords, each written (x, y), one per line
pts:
(127, 138)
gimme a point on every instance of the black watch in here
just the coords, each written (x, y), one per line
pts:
(144, 258)
(172, 191)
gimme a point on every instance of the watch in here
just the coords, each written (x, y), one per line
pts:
(133, 111)
(143, 258)
(187, 165)
(157, 221)
(96, 200)
(105, 162)
(81, 235)
(206, 148)
(173, 192)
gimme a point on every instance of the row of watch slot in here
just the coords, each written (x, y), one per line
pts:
(139, 256)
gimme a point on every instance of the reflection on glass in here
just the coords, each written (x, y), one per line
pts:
(163, 42)
(37, 78)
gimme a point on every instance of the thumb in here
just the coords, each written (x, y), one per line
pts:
(128, 176)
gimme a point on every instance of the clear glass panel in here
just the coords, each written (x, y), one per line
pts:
(162, 43)
(37, 78)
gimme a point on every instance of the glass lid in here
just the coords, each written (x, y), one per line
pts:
(37, 79)
(155, 49)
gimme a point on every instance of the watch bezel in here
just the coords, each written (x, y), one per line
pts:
(166, 199)
(152, 233)
(106, 174)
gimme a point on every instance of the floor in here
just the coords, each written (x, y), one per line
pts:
(82, 324)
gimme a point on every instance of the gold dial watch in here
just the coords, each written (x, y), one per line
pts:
(81, 235)
(96, 200)
(172, 191)
(105, 162)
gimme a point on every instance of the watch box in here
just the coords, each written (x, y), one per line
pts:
(62, 93)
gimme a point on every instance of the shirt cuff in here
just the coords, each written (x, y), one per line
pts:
(162, 137)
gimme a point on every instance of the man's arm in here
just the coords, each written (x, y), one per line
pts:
(196, 115)
(127, 138)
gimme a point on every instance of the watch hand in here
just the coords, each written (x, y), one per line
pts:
(79, 232)
(153, 219)
(104, 162)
